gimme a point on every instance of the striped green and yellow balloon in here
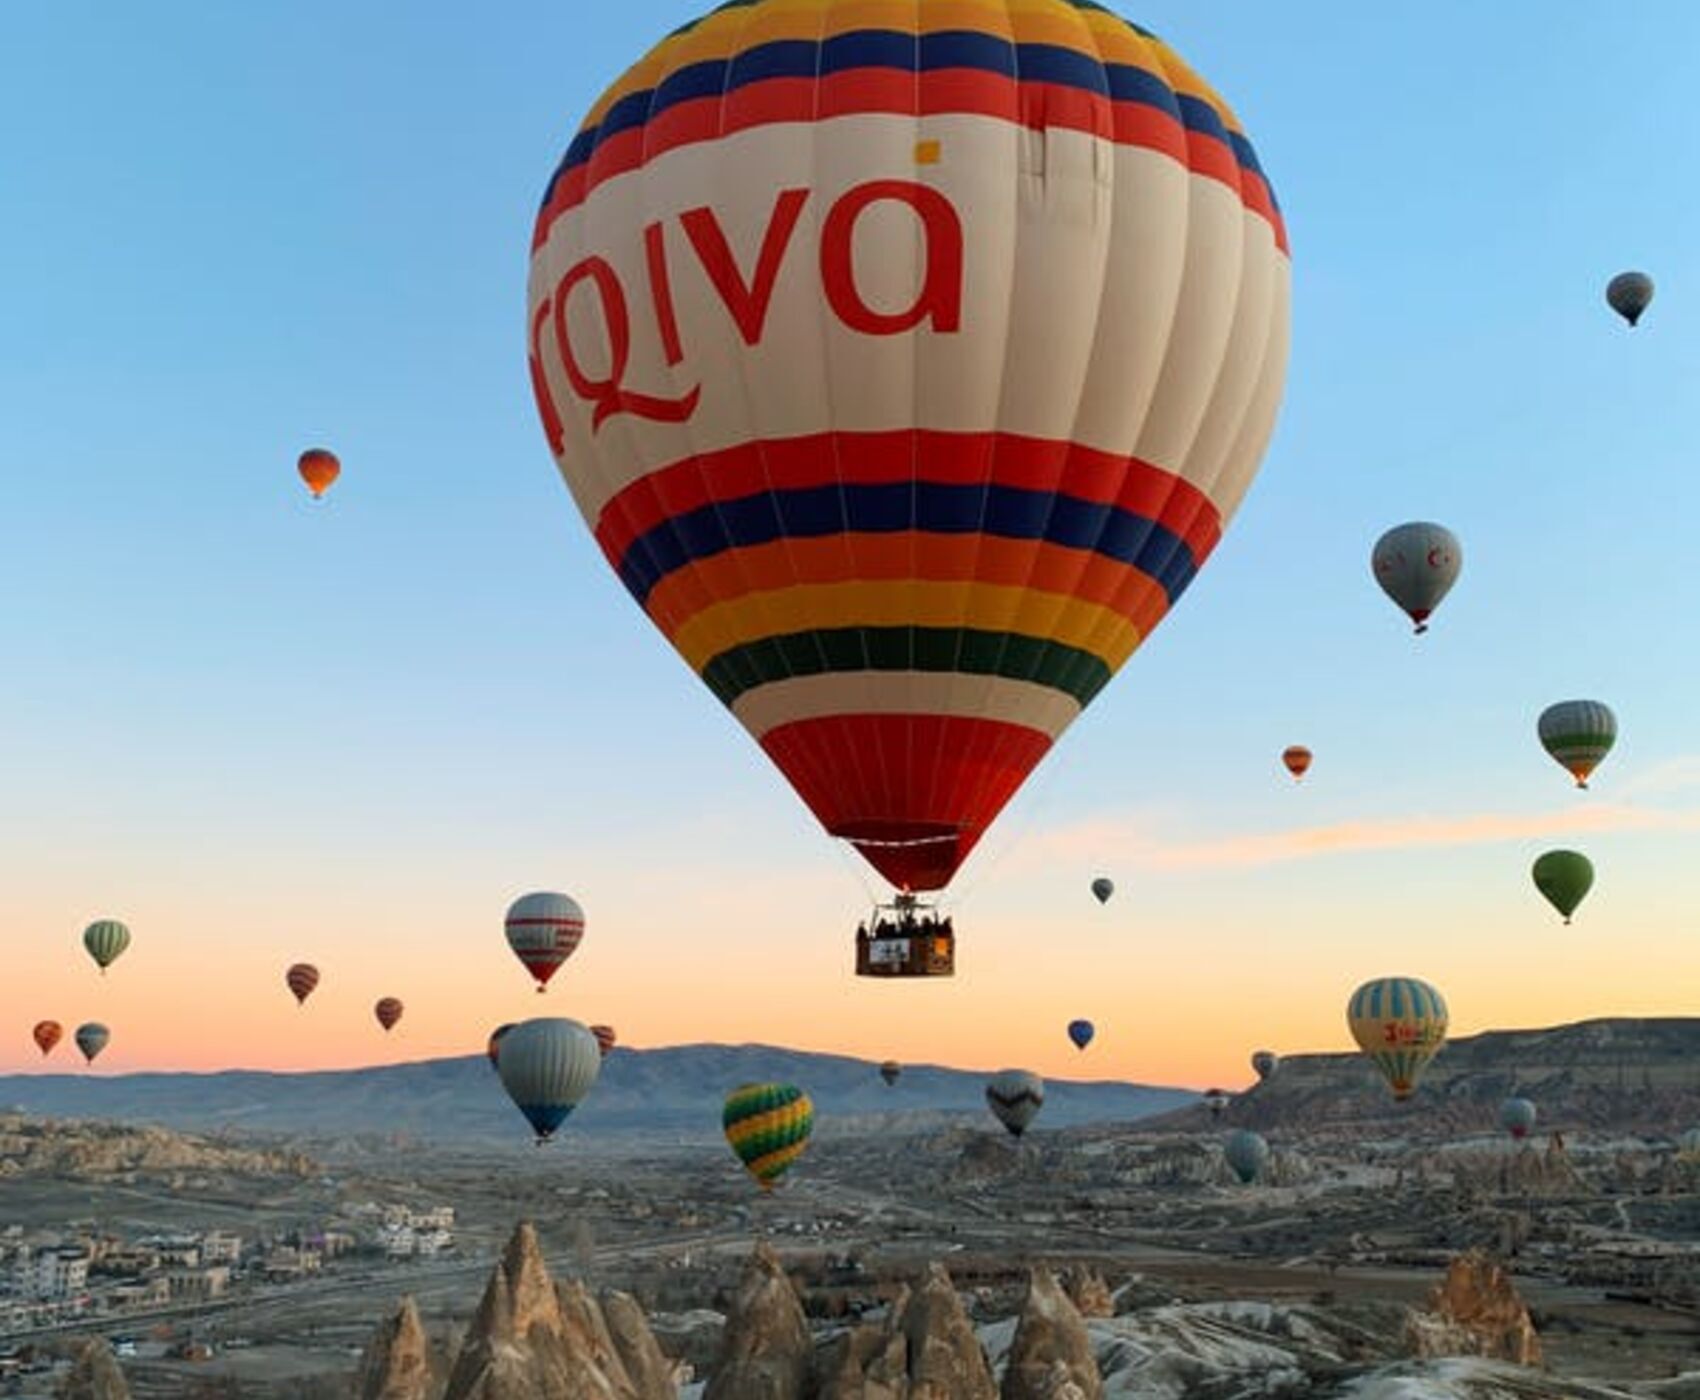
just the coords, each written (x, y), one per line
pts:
(1400, 1023)
(105, 939)
(768, 1126)
(1578, 734)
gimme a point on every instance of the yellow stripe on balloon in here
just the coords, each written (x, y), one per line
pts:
(984, 607)
(785, 1116)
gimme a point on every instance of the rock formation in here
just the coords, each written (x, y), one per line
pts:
(766, 1352)
(399, 1363)
(532, 1341)
(1477, 1311)
(925, 1349)
(1088, 1291)
(1051, 1356)
(94, 1375)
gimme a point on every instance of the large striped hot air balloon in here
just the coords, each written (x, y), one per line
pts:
(301, 978)
(1578, 734)
(907, 362)
(1015, 1097)
(768, 1126)
(105, 940)
(544, 930)
(547, 1066)
(91, 1038)
(1400, 1023)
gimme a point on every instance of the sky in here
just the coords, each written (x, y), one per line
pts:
(260, 729)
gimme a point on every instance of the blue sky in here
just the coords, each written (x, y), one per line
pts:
(236, 231)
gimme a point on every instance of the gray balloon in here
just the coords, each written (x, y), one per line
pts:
(1629, 294)
(1247, 1154)
(1416, 565)
(1103, 887)
(1015, 1097)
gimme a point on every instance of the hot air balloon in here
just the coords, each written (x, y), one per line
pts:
(547, 1066)
(1265, 1063)
(318, 468)
(493, 1046)
(1102, 889)
(1015, 1097)
(605, 1038)
(1564, 878)
(891, 1071)
(544, 930)
(1297, 758)
(1081, 1033)
(301, 978)
(47, 1034)
(91, 1038)
(903, 449)
(1216, 1100)
(1517, 1117)
(1629, 294)
(1247, 1154)
(1578, 734)
(388, 1011)
(1400, 1023)
(1416, 566)
(105, 939)
(1689, 1142)
(768, 1126)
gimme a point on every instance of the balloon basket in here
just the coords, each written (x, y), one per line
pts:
(906, 939)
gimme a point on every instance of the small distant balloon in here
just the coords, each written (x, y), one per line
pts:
(1216, 1100)
(1564, 879)
(301, 978)
(1247, 1154)
(1297, 759)
(1630, 294)
(891, 1071)
(47, 1034)
(91, 1038)
(105, 940)
(1081, 1033)
(1517, 1117)
(318, 468)
(1103, 888)
(1416, 565)
(388, 1011)
(1400, 1024)
(1015, 1097)
(1264, 1063)
(547, 1066)
(492, 1047)
(544, 930)
(768, 1126)
(1578, 734)
(605, 1038)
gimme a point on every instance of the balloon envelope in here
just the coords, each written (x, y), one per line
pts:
(1103, 888)
(1578, 734)
(1564, 878)
(105, 940)
(1400, 1023)
(1081, 1033)
(492, 1047)
(605, 1038)
(1297, 759)
(1247, 1154)
(91, 1038)
(301, 978)
(388, 1011)
(768, 1126)
(1264, 1063)
(904, 451)
(1416, 566)
(891, 1071)
(1630, 294)
(1216, 1100)
(544, 930)
(1517, 1117)
(547, 1066)
(1015, 1097)
(46, 1035)
(318, 468)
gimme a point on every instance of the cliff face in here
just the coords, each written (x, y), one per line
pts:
(94, 1375)
(89, 1151)
(400, 1363)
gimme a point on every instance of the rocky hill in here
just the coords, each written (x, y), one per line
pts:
(85, 1151)
(671, 1094)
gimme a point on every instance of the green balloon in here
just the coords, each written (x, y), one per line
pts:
(1564, 877)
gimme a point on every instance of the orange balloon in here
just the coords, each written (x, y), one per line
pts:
(1297, 759)
(47, 1035)
(388, 1012)
(318, 468)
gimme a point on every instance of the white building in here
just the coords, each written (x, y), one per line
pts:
(220, 1247)
(52, 1273)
